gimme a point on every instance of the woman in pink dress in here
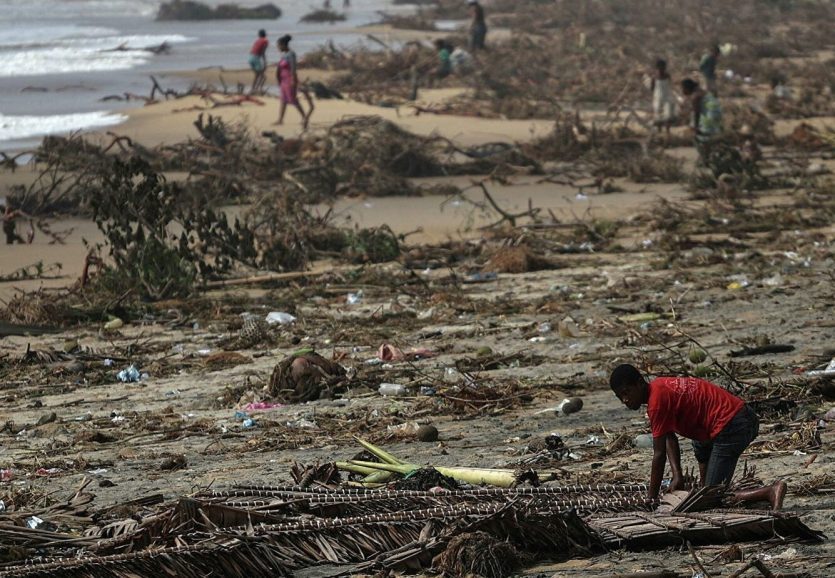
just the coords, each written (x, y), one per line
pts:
(288, 80)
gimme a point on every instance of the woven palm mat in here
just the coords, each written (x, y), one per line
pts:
(252, 532)
(645, 531)
(405, 541)
(231, 558)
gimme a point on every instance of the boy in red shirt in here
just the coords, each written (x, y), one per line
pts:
(720, 425)
(258, 61)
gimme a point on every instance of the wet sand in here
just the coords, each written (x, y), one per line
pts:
(505, 315)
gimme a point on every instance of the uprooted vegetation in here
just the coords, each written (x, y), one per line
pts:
(566, 53)
(164, 237)
(358, 156)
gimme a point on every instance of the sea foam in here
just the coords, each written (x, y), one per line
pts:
(81, 54)
(25, 126)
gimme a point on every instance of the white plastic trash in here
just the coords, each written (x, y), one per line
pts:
(392, 389)
(643, 441)
(279, 318)
(828, 370)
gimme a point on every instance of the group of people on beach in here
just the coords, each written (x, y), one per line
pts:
(702, 101)
(705, 118)
(286, 74)
(287, 66)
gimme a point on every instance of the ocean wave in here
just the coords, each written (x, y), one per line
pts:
(15, 10)
(24, 126)
(34, 36)
(83, 55)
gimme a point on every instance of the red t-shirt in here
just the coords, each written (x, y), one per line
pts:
(259, 47)
(689, 406)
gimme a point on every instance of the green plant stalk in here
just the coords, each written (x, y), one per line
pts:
(373, 477)
(377, 478)
(379, 452)
(401, 469)
(351, 467)
(476, 476)
(366, 485)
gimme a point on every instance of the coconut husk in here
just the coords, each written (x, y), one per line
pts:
(478, 554)
(805, 136)
(305, 377)
(519, 259)
(225, 359)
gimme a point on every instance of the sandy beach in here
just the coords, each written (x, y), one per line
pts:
(186, 383)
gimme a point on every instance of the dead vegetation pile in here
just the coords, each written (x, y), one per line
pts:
(379, 77)
(365, 156)
(605, 149)
(358, 156)
(224, 165)
(568, 54)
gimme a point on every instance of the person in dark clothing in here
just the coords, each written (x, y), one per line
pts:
(707, 67)
(478, 26)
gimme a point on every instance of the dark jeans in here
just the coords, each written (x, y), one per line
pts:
(478, 33)
(722, 452)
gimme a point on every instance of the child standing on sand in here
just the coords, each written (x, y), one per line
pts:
(663, 99)
(706, 116)
(720, 424)
(288, 80)
(258, 61)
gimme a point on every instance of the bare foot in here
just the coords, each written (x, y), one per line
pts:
(278, 123)
(777, 494)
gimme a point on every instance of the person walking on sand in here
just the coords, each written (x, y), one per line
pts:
(258, 61)
(707, 66)
(663, 99)
(478, 26)
(706, 116)
(720, 425)
(288, 80)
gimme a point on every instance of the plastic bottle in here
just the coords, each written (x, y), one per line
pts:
(279, 318)
(392, 389)
(643, 441)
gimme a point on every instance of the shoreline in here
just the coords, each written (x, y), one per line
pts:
(74, 118)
